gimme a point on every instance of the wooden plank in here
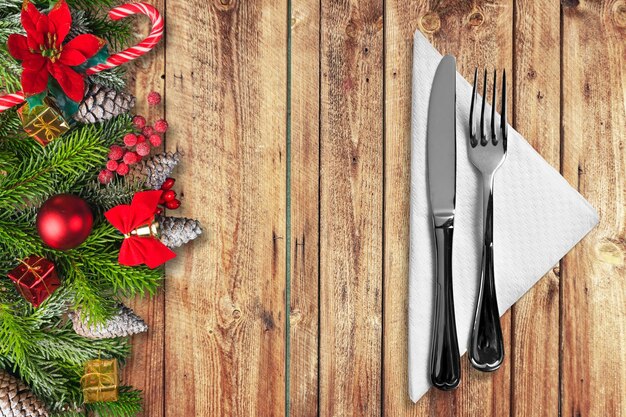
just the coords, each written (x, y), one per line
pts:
(351, 208)
(304, 188)
(535, 114)
(225, 307)
(479, 35)
(144, 370)
(593, 295)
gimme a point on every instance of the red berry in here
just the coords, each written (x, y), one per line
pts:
(154, 98)
(172, 205)
(130, 139)
(147, 131)
(112, 165)
(105, 176)
(168, 183)
(141, 138)
(131, 158)
(161, 126)
(155, 140)
(169, 195)
(161, 200)
(143, 148)
(122, 169)
(115, 152)
(139, 121)
(159, 211)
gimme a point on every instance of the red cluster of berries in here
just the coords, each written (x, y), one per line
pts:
(168, 198)
(121, 159)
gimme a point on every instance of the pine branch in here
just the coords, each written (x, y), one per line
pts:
(128, 404)
(113, 78)
(63, 159)
(105, 197)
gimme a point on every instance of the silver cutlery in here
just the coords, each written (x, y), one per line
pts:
(445, 369)
(487, 153)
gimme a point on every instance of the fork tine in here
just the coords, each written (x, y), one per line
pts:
(472, 117)
(483, 133)
(503, 125)
(494, 137)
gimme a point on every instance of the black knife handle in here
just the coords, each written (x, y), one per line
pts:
(445, 362)
(486, 352)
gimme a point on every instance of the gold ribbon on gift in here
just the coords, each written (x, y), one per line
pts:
(105, 382)
(33, 269)
(43, 122)
(49, 129)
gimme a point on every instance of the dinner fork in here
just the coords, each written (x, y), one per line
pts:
(486, 351)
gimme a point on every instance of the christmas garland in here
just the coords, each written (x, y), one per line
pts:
(83, 194)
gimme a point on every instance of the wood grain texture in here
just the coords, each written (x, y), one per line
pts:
(478, 35)
(401, 19)
(217, 341)
(304, 188)
(225, 307)
(593, 358)
(145, 369)
(351, 208)
(536, 115)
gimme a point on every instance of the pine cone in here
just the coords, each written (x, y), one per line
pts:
(102, 103)
(124, 323)
(155, 170)
(176, 231)
(17, 400)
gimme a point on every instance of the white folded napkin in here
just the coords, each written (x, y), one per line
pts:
(538, 218)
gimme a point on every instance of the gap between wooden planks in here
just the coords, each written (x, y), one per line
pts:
(217, 341)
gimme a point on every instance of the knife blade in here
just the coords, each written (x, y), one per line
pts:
(445, 369)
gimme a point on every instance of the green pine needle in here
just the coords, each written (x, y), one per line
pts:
(39, 345)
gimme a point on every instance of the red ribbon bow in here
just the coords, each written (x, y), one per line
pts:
(136, 250)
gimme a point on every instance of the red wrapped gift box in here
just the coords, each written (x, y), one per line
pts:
(35, 278)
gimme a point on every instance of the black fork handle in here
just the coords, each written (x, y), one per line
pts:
(445, 367)
(486, 346)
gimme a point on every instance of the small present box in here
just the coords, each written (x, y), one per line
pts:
(44, 123)
(35, 278)
(100, 381)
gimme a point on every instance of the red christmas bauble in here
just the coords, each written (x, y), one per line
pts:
(64, 221)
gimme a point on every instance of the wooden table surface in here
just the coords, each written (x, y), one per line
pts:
(293, 117)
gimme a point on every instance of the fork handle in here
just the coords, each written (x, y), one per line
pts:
(486, 345)
(445, 367)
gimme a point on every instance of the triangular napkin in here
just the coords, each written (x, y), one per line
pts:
(538, 218)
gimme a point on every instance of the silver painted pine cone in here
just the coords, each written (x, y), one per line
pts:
(155, 170)
(176, 231)
(102, 103)
(124, 323)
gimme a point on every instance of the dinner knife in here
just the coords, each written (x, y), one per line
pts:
(445, 369)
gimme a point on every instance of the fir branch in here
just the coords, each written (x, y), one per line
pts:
(116, 33)
(10, 7)
(10, 71)
(68, 157)
(105, 197)
(128, 404)
(113, 78)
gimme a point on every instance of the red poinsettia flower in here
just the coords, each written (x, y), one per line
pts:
(43, 53)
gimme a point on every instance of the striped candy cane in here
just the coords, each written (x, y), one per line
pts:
(141, 48)
(10, 100)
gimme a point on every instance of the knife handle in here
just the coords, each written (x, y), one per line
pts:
(445, 367)
(486, 352)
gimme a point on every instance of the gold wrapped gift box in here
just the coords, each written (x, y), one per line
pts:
(100, 381)
(43, 123)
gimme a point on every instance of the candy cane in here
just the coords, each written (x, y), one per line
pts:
(9, 100)
(141, 48)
